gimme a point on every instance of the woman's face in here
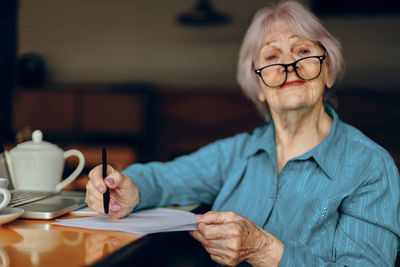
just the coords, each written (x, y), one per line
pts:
(282, 45)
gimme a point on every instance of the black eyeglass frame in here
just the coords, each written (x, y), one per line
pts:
(286, 66)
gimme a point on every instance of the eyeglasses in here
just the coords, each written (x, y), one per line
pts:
(306, 68)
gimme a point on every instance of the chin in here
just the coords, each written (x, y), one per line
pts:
(294, 98)
(294, 102)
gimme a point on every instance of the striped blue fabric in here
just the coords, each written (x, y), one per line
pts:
(336, 205)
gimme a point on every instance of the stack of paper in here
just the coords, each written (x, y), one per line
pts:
(142, 222)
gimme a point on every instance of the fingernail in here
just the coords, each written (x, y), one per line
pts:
(100, 188)
(116, 207)
(199, 216)
(110, 180)
(112, 201)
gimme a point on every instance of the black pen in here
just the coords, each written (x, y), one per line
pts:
(106, 195)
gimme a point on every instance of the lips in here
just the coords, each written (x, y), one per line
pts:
(292, 83)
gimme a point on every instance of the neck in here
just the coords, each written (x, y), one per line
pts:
(298, 131)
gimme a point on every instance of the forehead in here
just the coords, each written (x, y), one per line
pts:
(278, 32)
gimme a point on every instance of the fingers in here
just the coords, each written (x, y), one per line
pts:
(124, 194)
(199, 237)
(97, 183)
(231, 239)
(126, 197)
(218, 217)
(224, 235)
(95, 202)
(222, 251)
(94, 198)
(114, 178)
(219, 225)
(93, 192)
(96, 187)
(96, 178)
(214, 232)
(208, 243)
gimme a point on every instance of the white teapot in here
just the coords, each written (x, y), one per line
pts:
(38, 165)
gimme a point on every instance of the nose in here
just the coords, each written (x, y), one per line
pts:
(288, 59)
(291, 73)
(290, 68)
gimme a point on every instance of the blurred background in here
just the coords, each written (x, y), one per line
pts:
(157, 79)
(133, 40)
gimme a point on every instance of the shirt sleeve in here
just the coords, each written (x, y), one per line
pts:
(191, 179)
(367, 233)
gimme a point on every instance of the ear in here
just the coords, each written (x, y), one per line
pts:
(261, 96)
(328, 77)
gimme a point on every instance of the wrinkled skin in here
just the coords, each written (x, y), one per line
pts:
(231, 239)
(124, 194)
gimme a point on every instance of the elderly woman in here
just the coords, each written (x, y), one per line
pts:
(305, 189)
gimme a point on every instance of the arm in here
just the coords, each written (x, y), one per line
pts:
(186, 180)
(190, 179)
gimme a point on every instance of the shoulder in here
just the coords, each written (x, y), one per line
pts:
(360, 143)
(241, 144)
(362, 153)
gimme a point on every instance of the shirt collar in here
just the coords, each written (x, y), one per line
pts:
(327, 154)
(324, 154)
(263, 138)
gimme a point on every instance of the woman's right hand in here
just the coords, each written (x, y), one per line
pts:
(124, 194)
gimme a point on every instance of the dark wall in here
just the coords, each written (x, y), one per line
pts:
(355, 7)
(8, 48)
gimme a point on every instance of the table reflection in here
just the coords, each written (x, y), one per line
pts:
(38, 243)
(49, 240)
(100, 245)
(4, 259)
(8, 237)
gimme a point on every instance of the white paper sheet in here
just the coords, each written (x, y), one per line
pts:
(142, 222)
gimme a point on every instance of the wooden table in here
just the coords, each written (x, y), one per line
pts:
(38, 243)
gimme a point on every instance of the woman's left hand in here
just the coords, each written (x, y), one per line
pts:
(231, 239)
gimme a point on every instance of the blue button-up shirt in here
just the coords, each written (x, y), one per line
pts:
(338, 203)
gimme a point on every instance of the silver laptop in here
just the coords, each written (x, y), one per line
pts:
(40, 204)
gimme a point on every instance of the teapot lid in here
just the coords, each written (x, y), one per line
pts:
(37, 143)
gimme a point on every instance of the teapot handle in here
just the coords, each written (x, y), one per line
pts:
(76, 172)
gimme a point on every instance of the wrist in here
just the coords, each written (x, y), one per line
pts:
(269, 251)
(134, 191)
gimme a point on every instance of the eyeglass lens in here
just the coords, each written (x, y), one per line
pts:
(306, 69)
